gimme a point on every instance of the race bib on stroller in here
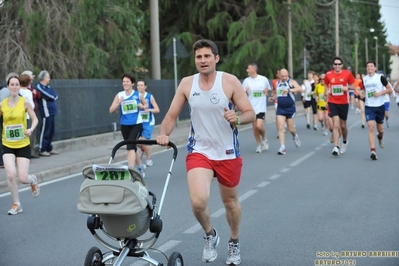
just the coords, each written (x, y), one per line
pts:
(102, 172)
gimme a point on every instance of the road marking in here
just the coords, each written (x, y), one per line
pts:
(285, 170)
(274, 177)
(263, 184)
(218, 213)
(302, 159)
(193, 229)
(246, 195)
(318, 148)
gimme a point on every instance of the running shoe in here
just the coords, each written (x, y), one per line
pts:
(362, 125)
(315, 128)
(281, 151)
(34, 187)
(15, 209)
(233, 258)
(142, 170)
(381, 143)
(149, 162)
(335, 151)
(265, 145)
(308, 126)
(209, 253)
(325, 133)
(373, 156)
(259, 149)
(297, 141)
(343, 147)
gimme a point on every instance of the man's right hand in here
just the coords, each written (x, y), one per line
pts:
(163, 140)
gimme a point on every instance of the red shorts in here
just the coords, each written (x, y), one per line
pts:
(228, 172)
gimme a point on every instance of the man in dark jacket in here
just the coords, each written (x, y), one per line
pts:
(48, 109)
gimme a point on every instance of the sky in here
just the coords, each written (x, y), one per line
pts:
(389, 15)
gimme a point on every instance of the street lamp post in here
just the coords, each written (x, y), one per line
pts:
(367, 49)
(336, 27)
(376, 52)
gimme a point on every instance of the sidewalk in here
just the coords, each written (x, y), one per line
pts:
(77, 153)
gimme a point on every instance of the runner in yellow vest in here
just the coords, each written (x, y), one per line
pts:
(15, 138)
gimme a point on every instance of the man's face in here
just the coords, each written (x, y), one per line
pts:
(370, 68)
(337, 65)
(310, 76)
(205, 60)
(250, 70)
(284, 76)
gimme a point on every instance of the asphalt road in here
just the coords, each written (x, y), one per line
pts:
(298, 208)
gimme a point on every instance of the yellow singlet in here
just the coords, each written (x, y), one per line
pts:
(14, 124)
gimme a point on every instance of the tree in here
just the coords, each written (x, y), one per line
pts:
(245, 31)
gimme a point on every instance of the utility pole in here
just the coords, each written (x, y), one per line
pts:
(356, 53)
(367, 49)
(155, 51)
(336, 27)
(290, 67)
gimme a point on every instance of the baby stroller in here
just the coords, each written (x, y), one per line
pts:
(120, 205)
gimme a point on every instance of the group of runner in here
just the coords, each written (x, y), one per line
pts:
(329, 97)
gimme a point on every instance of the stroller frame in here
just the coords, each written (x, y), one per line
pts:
(132, 247)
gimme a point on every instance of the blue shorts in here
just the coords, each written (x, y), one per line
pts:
(147, 131)
(376, 114)
(351, 93)
(386, 104)
(288, 112)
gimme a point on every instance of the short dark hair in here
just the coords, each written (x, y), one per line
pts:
(206, 43)
(129, 76)
(254, 65)
(11, 77)
(370, 62)
(338, 58)
(141, 80)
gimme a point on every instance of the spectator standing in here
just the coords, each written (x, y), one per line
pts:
(34, 149)
(47, 104)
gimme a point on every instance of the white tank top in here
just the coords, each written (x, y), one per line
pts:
(210, 134)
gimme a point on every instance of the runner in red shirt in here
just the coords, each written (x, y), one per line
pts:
(338, 82)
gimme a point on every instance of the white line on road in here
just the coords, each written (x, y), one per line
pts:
(318, 148)
(274, 177)
(302, 159)
(263, 184)
(284, 170)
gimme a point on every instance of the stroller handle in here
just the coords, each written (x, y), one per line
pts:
(144, 142)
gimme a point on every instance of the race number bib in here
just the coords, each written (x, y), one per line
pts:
(102, 172)
(321, 97)
(145, 116)
(336, 90)
(14, 132)
(257, 94)
(370, 94)
(129, 107)
(280, 92)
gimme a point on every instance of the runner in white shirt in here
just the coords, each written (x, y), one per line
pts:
(257, 87)
(376, 87)
(307, 100)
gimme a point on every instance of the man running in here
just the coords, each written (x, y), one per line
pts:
(286, 88)
(338, 81)
(376, 87)
(213, 147)
(257, 87)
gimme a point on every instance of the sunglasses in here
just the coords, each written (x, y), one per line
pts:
(335, 64)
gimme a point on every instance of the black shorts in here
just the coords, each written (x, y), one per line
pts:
(260, 116)
(23, 152)
(131, 132)
(321, 108)
(340, 110)
(307, 104)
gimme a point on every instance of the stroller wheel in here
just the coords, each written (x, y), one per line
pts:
(94, 257)
(175, 259)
